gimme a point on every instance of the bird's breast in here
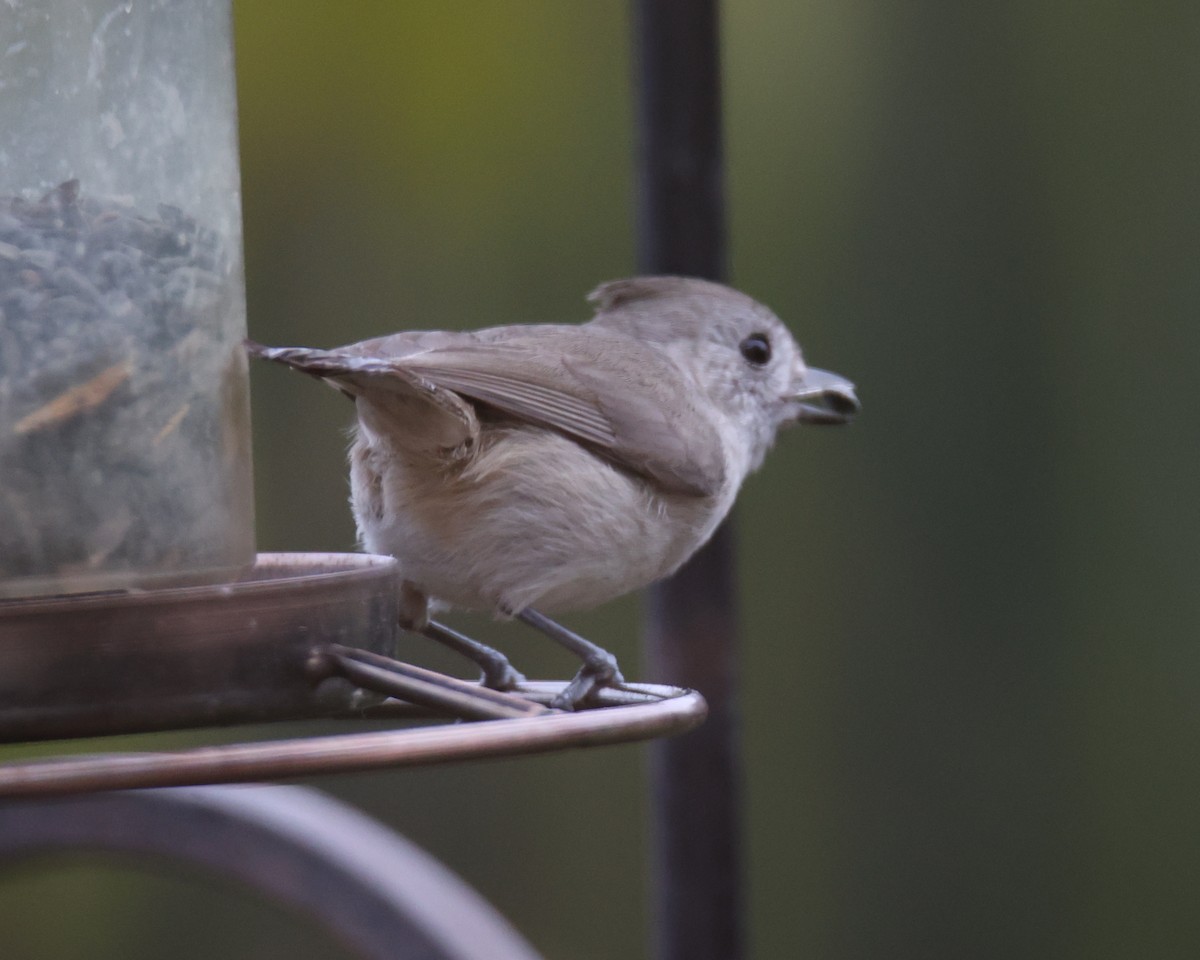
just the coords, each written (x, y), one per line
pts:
(531, 518)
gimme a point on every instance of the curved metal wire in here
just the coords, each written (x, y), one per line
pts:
(369, 888)
(639, 712)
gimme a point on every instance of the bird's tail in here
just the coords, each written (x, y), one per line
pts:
(327, 364)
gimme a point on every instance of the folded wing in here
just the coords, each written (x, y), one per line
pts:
(618, 396)
(615, 394)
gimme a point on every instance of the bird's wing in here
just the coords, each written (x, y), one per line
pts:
(412, 410)
(617, 395)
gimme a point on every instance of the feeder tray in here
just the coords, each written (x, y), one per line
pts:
(299, 636)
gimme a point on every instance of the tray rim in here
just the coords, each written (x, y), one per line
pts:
(359, 566)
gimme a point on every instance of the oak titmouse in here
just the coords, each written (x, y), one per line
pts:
(559, 466)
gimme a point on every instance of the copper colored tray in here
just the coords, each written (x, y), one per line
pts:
(300, 636)
(133, 661)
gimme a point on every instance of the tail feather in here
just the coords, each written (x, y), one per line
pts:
(319, 363)
(417, 414)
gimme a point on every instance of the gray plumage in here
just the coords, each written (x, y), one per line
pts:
(559, 466)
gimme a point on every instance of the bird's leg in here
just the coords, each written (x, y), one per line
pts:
(599, 666)
(498, 673)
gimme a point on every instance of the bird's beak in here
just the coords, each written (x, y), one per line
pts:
(825, 398)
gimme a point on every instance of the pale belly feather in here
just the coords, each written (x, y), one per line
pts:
(532, 519)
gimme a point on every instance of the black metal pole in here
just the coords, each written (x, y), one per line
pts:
(691, 623)
(680, 168)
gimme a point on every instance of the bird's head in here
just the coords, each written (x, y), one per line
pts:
(735, 350)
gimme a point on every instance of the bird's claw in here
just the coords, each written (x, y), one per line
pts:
(599, 670)
(498, 672)
(501, 675)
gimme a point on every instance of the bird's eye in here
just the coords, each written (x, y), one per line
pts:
(756, 348)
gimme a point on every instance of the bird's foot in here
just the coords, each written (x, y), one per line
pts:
(498, 672)
(598, 670)
(501, 675)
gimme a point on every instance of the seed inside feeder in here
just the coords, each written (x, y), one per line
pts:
(116, 452)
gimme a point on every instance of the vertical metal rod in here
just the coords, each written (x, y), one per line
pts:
(691, 624)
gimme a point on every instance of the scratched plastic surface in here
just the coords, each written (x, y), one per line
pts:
(124, 428)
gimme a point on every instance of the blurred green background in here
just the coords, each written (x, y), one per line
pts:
(971, 667)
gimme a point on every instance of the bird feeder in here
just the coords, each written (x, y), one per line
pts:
(124, 427)
(131, 597)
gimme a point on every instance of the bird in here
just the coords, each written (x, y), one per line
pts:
(537, 469)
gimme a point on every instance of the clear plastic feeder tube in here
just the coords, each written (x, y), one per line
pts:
(124, 421)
